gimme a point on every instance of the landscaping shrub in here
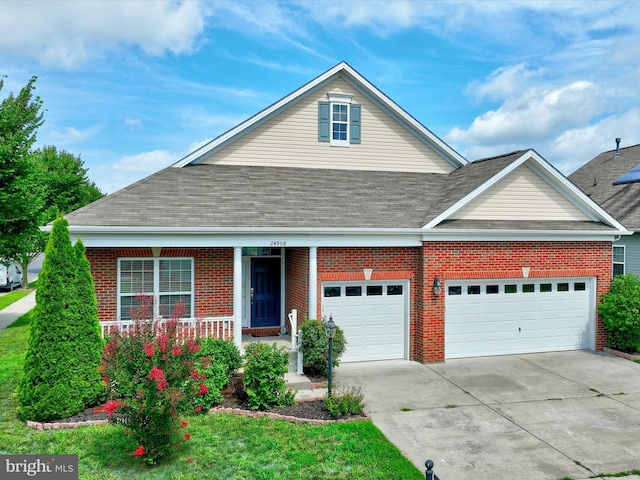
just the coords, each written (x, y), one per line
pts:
(219, 361)
(152, 376)
(315, 346)
(620, 310)
(348, 402)
(60, 375)
(264, 370)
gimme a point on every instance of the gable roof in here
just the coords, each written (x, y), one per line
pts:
(226, 198)
(468, 183)
(366, 88)
(596, 179)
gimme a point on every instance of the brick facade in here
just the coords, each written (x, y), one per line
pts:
(465, 260)
(213, 272)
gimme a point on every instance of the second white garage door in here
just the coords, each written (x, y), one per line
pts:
(373, 316)
(497, 317)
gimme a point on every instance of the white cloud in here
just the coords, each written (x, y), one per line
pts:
(532, 115)
(147, 162)
(68, 34)
(73, 136)
(504, 82)
(133, 123)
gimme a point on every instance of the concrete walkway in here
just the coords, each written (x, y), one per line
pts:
(16, 310)
(544, 416)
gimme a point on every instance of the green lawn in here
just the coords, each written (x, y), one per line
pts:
(222, 446)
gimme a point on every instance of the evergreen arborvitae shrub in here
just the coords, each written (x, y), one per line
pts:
(60, 374)
(620, 310)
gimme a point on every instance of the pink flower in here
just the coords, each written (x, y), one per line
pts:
(195, 374)
(183, 424)
(186, 437)
(189, 459)
(149, 350)
(138, 452)
(106, 380)
(155, 373)
(176, 350)
(193, 346)
(162, 384)
(198, 408)
(163, 342)
(203, 389)
(111, 406)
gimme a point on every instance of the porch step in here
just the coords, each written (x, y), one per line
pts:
(297, 382)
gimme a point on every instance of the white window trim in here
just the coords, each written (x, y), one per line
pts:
(624, 257)
(339, 99)
(156, 284)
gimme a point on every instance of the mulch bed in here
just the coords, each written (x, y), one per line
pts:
(235, 399)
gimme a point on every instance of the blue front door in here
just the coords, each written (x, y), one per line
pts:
(265, 292)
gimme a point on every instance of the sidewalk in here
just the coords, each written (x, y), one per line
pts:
(16, 310)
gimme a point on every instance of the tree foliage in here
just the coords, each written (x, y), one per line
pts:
(20, 197)
(35, 185)
(60, 376)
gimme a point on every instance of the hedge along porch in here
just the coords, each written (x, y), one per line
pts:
(335, 201)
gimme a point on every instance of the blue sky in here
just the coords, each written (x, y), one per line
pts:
(133, 86)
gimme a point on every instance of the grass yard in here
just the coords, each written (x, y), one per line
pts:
(222, 446)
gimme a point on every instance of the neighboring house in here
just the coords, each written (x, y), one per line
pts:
(334, 201)
(611, 179)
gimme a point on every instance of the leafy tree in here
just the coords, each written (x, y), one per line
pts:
(65, 187)
(66, 184)
(60, 376)
(20, 197)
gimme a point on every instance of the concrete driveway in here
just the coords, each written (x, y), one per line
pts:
(544, 416)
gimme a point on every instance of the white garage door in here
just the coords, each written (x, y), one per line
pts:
(373, 316)
(496, 317)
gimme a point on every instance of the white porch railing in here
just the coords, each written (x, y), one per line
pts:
(208, 327)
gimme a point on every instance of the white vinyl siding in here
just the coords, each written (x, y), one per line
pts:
(631, 244)
(290, 139)
(522, 195)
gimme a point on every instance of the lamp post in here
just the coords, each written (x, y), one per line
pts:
(331, 332)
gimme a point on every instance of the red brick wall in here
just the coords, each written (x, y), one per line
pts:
(463, 260)
(213, 273)
(296, 281)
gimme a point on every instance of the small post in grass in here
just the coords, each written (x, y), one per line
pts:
(428, 473)
(331, 332)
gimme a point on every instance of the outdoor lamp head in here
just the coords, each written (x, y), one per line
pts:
(437, 286)
(331, 328)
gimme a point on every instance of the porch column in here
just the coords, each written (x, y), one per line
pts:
(237, 297)
(313, 282)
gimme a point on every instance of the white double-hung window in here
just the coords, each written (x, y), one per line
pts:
(339, 120)
(168, 280)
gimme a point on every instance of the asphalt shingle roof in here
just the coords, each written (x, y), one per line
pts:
(241, 196)
(596, 178)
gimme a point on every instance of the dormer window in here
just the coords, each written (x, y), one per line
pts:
(339, 120)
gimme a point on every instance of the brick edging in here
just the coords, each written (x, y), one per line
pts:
(63, 425)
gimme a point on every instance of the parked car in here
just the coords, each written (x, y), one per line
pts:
(10, 276)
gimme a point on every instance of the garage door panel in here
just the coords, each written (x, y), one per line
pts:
(529, 320)
(374, 325)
